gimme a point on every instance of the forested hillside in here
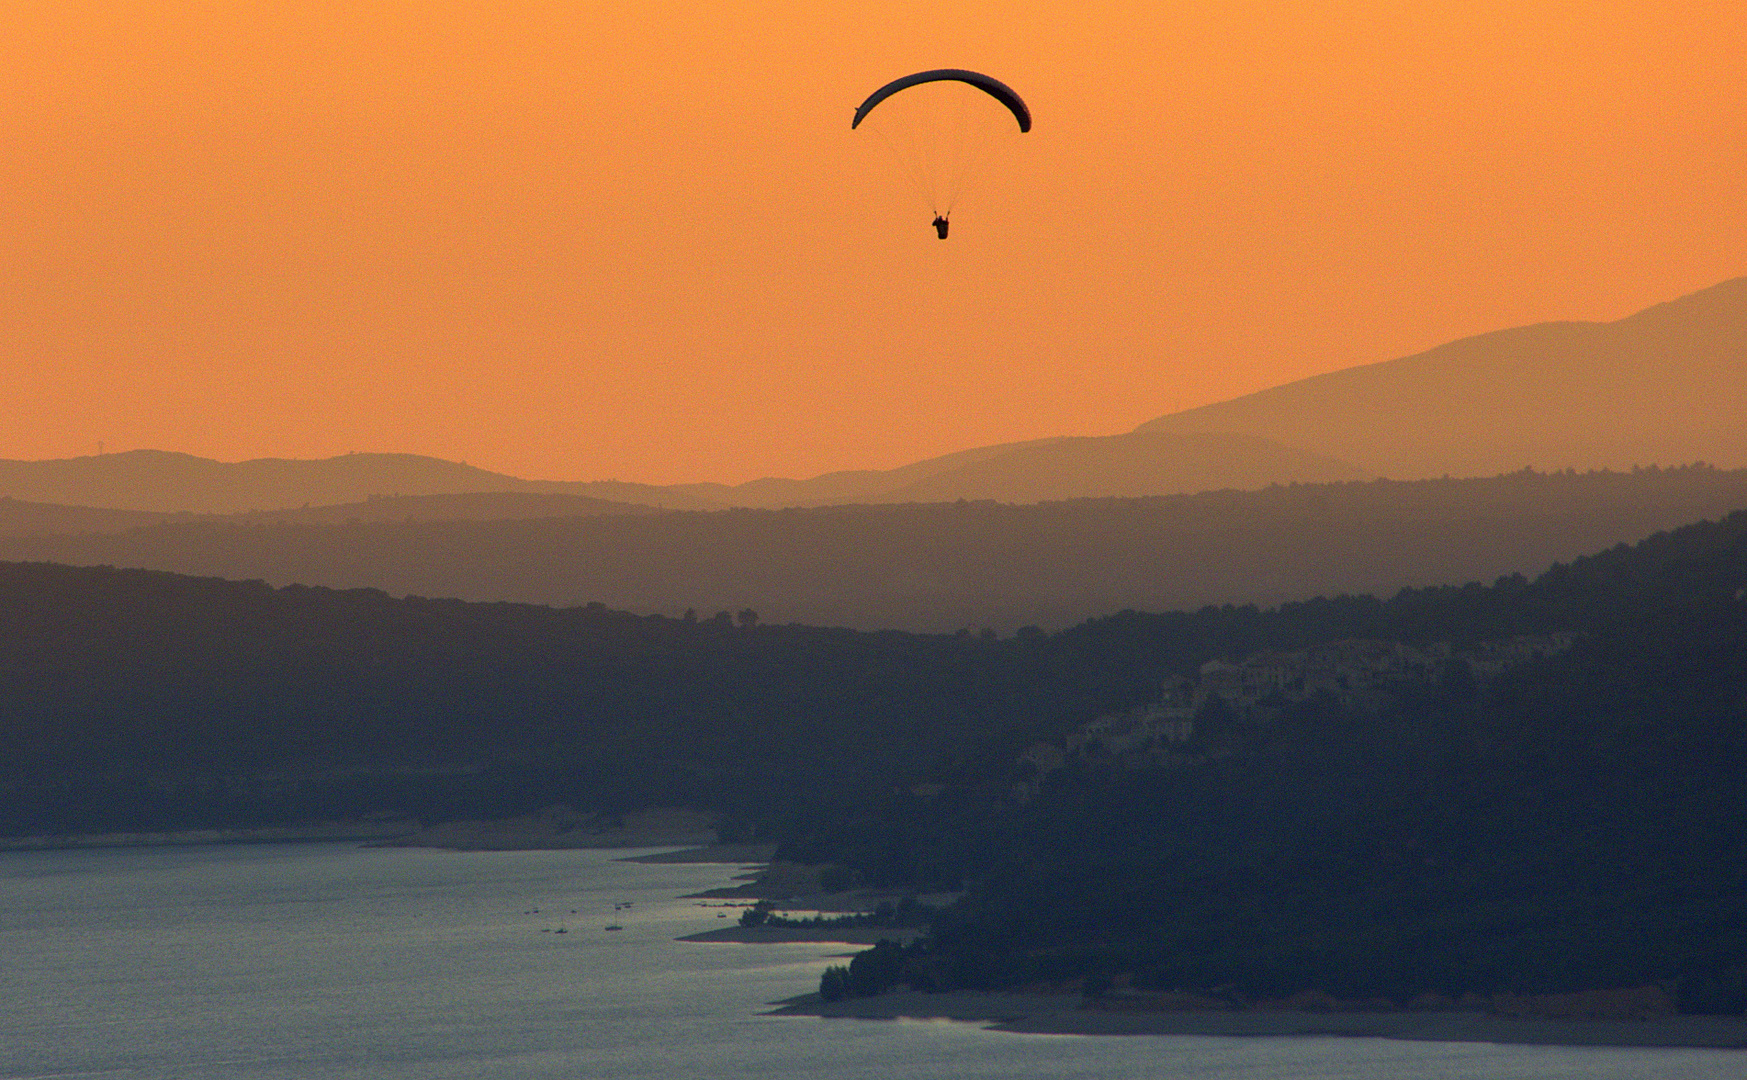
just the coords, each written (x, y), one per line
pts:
(1572, 822)
(1573, 825)
(142, 699)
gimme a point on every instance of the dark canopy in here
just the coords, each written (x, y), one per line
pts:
(995, 88)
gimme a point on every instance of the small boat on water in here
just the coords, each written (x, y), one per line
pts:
(615, 926)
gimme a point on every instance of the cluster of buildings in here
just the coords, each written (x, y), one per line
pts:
(1357, 673)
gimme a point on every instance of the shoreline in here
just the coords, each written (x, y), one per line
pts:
(696, 848)
(709, 853)
(323, 832)
(1021, 1013)
(802, 935)
(1064, 1014)
(531, 833)
(515, 834)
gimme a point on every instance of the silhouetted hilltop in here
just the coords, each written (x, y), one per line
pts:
(847, 487)
(161, 481)
(942, 566)
(1039, 470)
(1657, 388)
(1124, 466)
(1661, 387)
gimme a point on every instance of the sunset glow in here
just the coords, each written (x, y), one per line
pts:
(641, 241)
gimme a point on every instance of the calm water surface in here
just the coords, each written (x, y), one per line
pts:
(327, 960)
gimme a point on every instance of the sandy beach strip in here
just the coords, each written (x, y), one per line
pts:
(1064, 1015)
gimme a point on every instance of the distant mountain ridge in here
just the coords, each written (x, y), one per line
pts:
(1661, 387)
(1133, 466)
(942, 566)
(1060, 468)
(167, 482)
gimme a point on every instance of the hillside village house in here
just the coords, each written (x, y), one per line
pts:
(1357, 672)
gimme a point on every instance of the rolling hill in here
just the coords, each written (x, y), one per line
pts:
(1662, 387)
(943, 566)
(1062, 468)
(1042, 470)
(1125, 466)
(165, 482)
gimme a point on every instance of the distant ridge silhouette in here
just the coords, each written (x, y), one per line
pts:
(944, 565)
(1127, 466)
(1043, 469)
(1067, 467)
(163, 481)
(1662, 387)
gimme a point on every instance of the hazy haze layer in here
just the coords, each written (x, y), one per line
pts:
(944, 566)
(1114, 466)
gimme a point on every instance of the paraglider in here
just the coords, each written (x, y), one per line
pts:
(945, 133)
(995, 88)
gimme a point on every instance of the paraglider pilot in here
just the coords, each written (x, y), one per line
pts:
(941, 225)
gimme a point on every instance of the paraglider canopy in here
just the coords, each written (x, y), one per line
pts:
(944, 128)
(995, 88)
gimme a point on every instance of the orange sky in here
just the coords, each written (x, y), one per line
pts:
(642, 243)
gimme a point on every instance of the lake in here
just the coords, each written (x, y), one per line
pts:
(330, 960)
